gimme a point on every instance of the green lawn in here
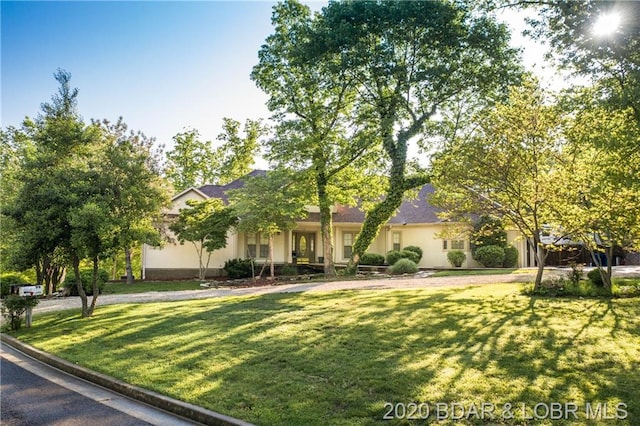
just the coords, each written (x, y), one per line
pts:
(145, 286)
(492, 271)
(337, 358)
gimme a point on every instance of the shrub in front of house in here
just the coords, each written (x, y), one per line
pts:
(393, 256)
(373, 259)
(411, 255)
(510, 257)
(86, 276)
(238, 268)
(490, 256)
(403, 266)
(456, 258)
(595, 278)
(11, 278)
(288, 270)
(415, 249)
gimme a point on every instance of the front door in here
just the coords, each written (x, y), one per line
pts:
(304, 247)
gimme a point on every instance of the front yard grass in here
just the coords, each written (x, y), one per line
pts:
(337, 357)
(491, 271)
(146, 286)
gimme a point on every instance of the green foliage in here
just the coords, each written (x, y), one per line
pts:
(595, 277)
(87, 190)
(313, 105)
(610, 60)
(393, 256)
(504, 169)
(510, 257)
(403, 266)
(411, 255)
(190, 162)
(237, 154)
(205, 224)
(402, 56)
(488, 231)
(14, 306)
(490, 256)
(374, 259)
(576, 274)
(415, 249)
(86, 277)
(561, 287)
(456, 258)
(238, 268)
(8, 279)
(269, 204)
(288, 270)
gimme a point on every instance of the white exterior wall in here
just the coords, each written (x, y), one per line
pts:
(427, 237)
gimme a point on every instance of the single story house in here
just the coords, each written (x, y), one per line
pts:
(416, 223)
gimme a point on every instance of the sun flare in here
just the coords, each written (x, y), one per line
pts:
(606, 24)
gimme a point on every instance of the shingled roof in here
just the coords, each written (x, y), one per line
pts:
(220, 191)
(413, 211)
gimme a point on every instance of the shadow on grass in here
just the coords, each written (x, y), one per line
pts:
(336, 358)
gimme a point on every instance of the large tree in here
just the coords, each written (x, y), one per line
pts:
(312, 102)
(503, 166)
(610, 55)
(190, 162)
(236, 156)
(411, 60)
(598, 203)
(63, 175)
(137, 192)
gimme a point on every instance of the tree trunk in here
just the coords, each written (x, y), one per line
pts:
(39, 273)
(83, 296)
(326, 225)
(605, 275)
(46, 273)
(94, 286)
(540, 260)
(609, 282)
(272, 271)
(114, 268)
(58, 275)
(127, 260)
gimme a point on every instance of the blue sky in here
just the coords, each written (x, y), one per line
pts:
(163, 66)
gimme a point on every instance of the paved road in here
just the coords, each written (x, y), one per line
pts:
(419, 281)
(35, 394)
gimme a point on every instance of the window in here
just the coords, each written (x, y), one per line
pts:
(257, 245)
(251, 245)
(264, 245)
(396, 241)
(454, 244)
(347, 244)
(457, 244)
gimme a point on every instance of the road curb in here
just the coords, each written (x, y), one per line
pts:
(184, 409)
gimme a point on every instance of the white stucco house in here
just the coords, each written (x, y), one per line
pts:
(416, 223)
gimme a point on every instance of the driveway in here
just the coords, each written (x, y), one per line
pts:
(420, 280)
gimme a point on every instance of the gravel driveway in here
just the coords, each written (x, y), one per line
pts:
(421, 280)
